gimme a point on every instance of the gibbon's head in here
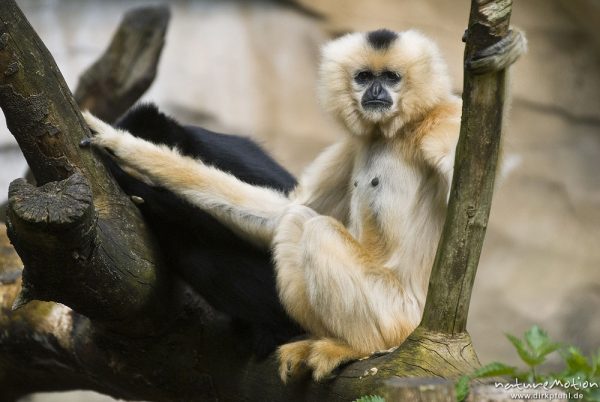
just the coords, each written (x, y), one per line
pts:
(382, 79)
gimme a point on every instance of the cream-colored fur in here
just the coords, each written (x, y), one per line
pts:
(355, 242)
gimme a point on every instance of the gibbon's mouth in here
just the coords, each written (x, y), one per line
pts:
(376, 104)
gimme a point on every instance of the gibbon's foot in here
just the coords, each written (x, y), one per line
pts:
(292, 358)
(86, 142)
(328, 354)
(500, 55)
(321, 356)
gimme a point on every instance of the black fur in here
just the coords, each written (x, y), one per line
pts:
(381, 39)
(235, 277)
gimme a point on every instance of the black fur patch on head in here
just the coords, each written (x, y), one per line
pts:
(381, 39)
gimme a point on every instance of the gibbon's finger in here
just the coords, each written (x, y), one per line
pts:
(96, 127)
(94, 123)
(86, 142)
(499, 55)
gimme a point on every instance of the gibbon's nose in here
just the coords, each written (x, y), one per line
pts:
(376, 90)
(376, 97)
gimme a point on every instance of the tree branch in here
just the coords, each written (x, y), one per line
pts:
(114, 82)
(42, 115)
(477, 152)
(128, 66)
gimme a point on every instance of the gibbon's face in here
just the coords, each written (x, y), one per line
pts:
(380, 80)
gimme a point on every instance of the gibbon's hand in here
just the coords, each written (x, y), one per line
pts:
(500, 55)
(103, 134)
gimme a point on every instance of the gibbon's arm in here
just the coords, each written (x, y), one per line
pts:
(439, 148)
(250, 211)
(324, 185)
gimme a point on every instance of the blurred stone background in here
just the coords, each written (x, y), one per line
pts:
(249, 67)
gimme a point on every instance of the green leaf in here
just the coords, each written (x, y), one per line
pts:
(539, 343)
(461, 388)
(370, 398)
(577, 362)
(536, 338)
(549, 348)
(494, 369)
(523, 352)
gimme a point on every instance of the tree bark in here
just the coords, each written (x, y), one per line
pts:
(132, 331)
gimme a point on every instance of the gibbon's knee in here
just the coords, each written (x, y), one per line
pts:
(337, 286)
(290, 270)
(290, 225)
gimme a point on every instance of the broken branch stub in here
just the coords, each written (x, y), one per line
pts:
(128, 66)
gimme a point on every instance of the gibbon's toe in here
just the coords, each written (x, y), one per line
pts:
(326, 355)
(292, 359)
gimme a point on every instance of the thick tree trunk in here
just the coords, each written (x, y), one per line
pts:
(135, 333)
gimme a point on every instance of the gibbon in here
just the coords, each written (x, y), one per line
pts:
(354, 242)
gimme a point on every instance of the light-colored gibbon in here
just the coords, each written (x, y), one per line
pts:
(354, 243)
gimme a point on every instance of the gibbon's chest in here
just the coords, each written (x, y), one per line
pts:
(393, 199)
(383, 180)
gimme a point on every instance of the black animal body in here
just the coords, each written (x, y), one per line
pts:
(234, 276)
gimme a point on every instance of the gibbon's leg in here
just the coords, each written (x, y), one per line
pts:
(250, 211)
(291, 275)
(329, 284)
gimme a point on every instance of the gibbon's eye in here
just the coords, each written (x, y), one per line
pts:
(363, 77)
(391, 77)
